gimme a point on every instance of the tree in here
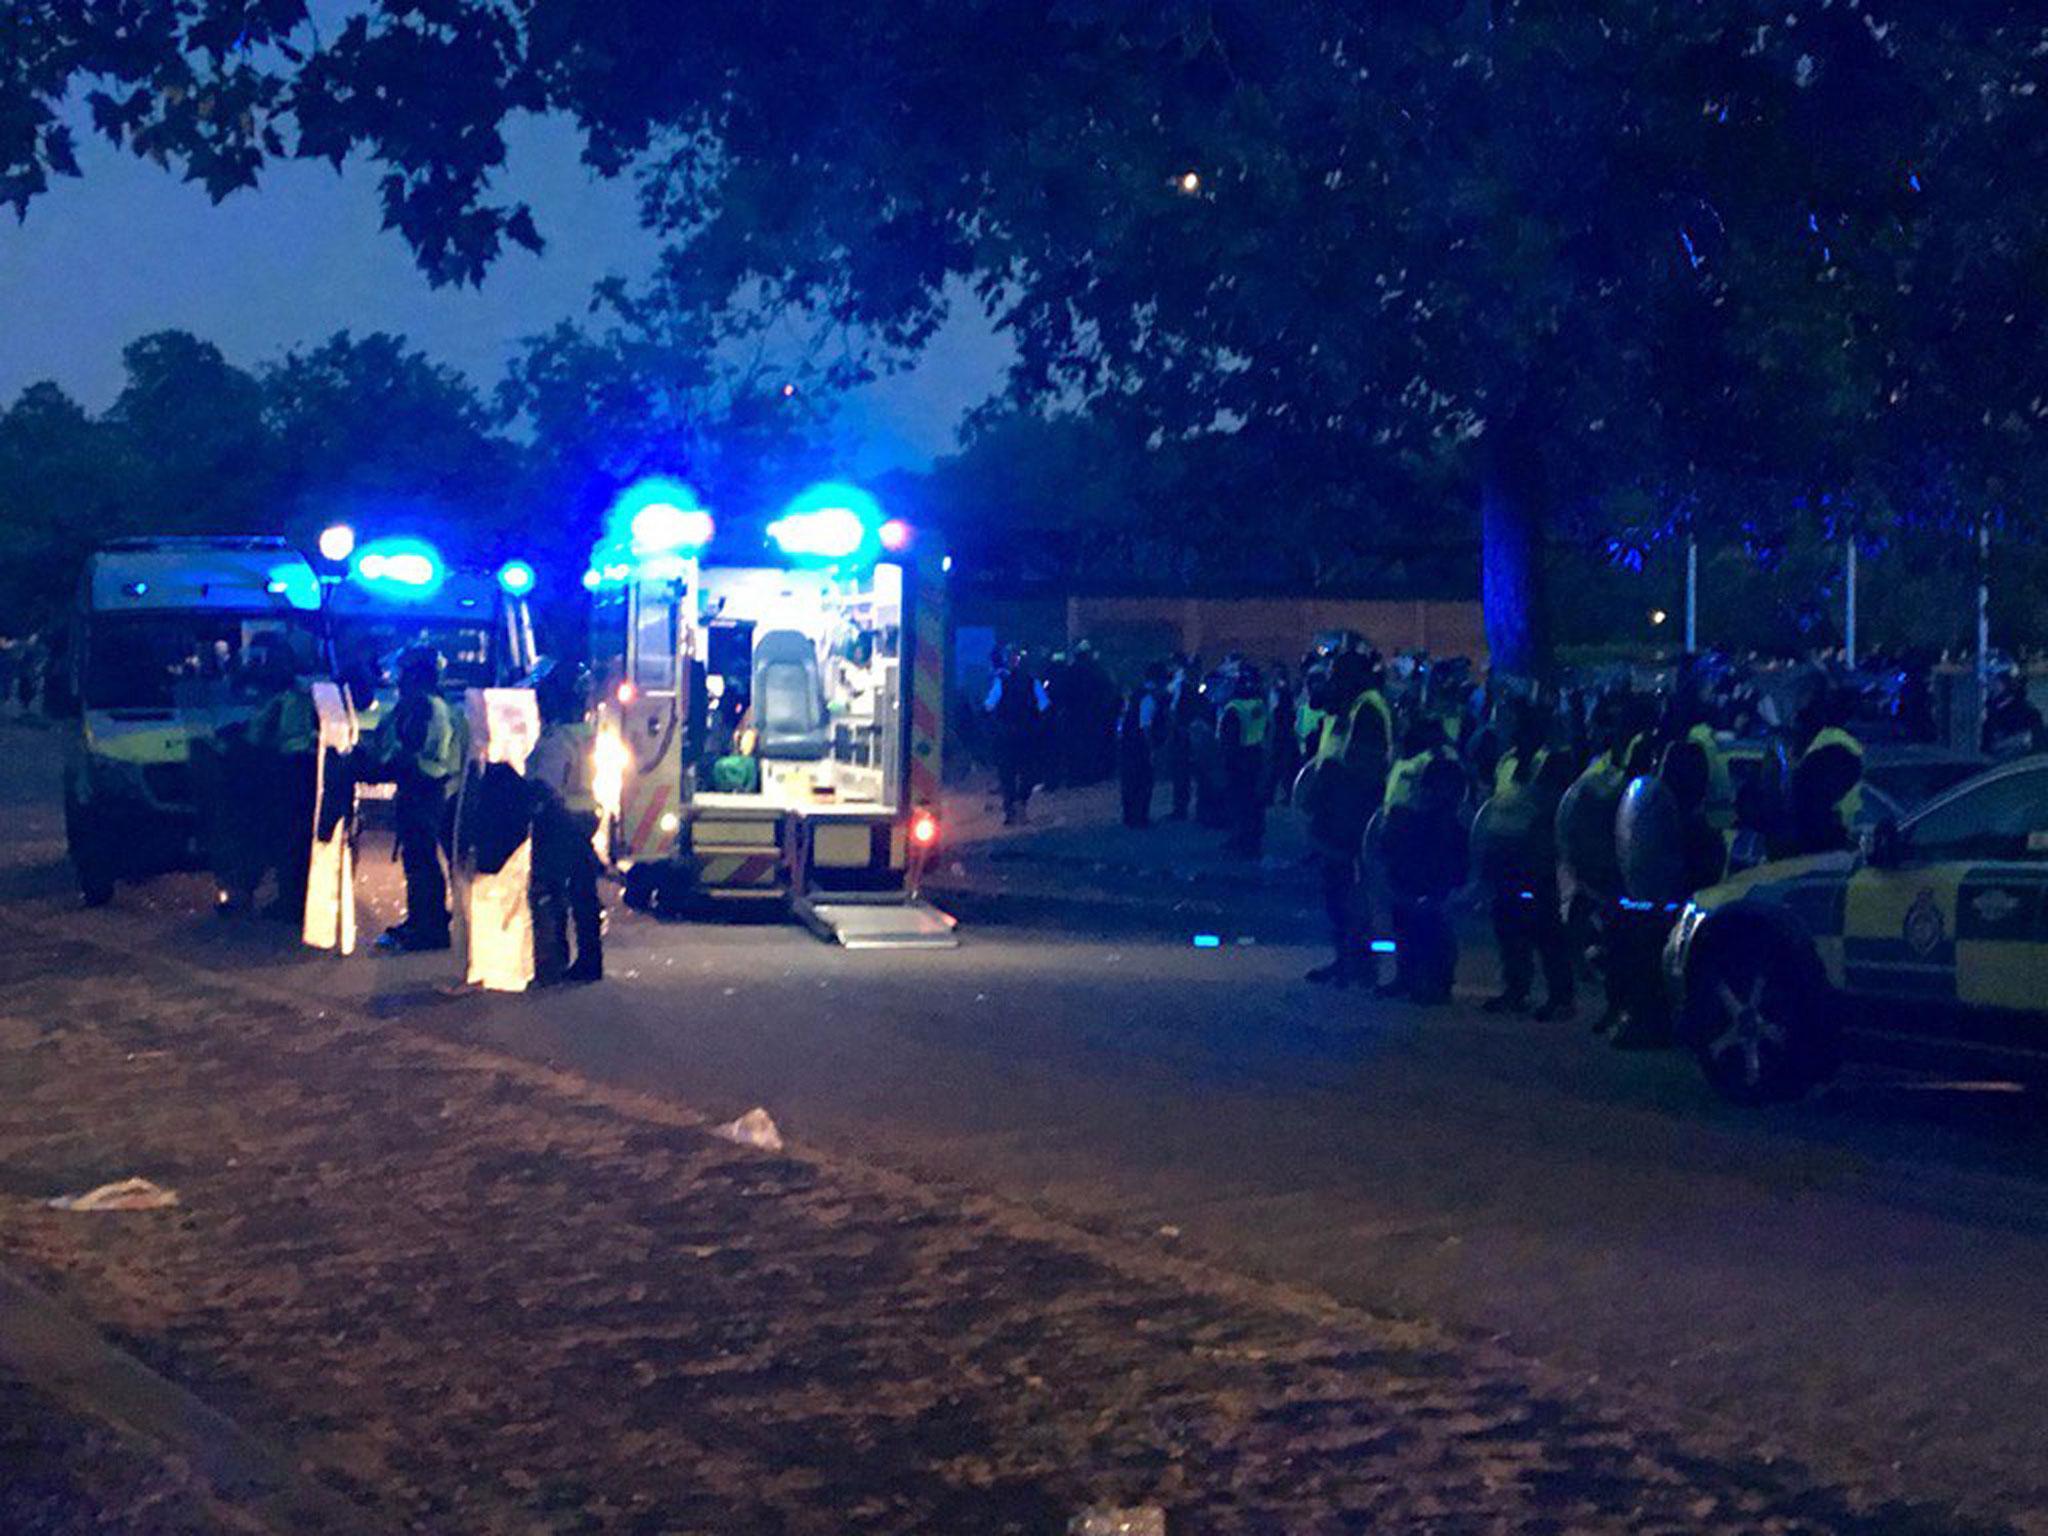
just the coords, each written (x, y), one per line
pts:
(192, 425)
(1540, 250)
(61, 480)
(373, 432)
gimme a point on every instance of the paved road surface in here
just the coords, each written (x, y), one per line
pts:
(1856, 1284)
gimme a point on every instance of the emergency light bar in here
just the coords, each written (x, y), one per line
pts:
(399, 568)
(829, 523)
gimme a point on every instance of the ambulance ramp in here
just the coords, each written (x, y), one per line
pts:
(895, 924)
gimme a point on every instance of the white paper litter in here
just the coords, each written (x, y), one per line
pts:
(1144, 1520)
(753, 1129)
(122, 1195)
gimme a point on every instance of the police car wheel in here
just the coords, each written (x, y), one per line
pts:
(1754, 1019)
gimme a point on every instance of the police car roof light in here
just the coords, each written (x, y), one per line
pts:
(399, 568)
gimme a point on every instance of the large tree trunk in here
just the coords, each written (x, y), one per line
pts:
(1512, 509)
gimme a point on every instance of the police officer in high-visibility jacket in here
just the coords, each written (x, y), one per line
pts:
(1243, 735)
(418, 745)
(285, 737)
(1827, 780)
(562, 771)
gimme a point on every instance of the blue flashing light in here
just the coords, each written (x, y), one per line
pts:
(592, 579)
(1383, 946)
(1208, 941)
(658, 515)
(135, 589)
(830, 523)
(667, 528)
(296, 584)
(516, 577)
(401, 569)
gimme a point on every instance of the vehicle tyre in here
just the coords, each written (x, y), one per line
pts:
(1757, 1017)
(90, 858)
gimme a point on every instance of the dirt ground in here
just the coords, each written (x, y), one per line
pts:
(471, 1295)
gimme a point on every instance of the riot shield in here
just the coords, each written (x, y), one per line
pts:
(330, 920)
(1649, 837)
(493, 846)
(1585, 836)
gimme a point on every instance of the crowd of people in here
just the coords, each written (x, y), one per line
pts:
(1423, 790)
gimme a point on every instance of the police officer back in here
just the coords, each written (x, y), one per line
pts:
(562, 770)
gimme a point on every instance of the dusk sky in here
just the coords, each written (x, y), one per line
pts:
(131, 249)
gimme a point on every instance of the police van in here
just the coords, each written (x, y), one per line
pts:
(1932, 936)
(158, 637)
(398, 593)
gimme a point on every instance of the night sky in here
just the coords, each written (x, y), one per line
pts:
(131, 249)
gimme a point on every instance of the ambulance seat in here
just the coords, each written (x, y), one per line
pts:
(789, 698)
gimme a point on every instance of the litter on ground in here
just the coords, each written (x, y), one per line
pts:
(753, 1129)
(122, 1195)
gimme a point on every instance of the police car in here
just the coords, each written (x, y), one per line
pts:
(1934, 934)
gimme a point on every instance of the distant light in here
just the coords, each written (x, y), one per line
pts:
(1189, 182)
(946, 565)
(1658, 615)
(399, 568)
(337, 543)
(592, 580)
(1383, 946)
(788, 391)
(924, 829)
(894, 534)
(670, 821)
(516, 577)
(1208, 941)
(135, 589)
(625, 693)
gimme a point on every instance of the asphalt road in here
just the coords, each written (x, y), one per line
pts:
(1855, 1284)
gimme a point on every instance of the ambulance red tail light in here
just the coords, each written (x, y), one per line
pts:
(924, 829)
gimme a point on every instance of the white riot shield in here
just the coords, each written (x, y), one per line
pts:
(495, 903)
(330, 920)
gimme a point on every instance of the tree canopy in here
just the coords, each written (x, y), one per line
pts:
(1503, 259)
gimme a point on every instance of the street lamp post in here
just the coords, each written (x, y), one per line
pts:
(1692, 593)
(1849, 604)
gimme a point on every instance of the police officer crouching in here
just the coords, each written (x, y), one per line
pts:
(418, 747)
(565, 867)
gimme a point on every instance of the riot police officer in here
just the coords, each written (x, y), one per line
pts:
(562, 772)
(420, 748)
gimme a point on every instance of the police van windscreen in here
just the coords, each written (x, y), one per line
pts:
(368, 650)
(175, 660)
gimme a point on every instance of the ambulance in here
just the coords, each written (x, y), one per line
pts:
(158, 636)
(770, 730)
